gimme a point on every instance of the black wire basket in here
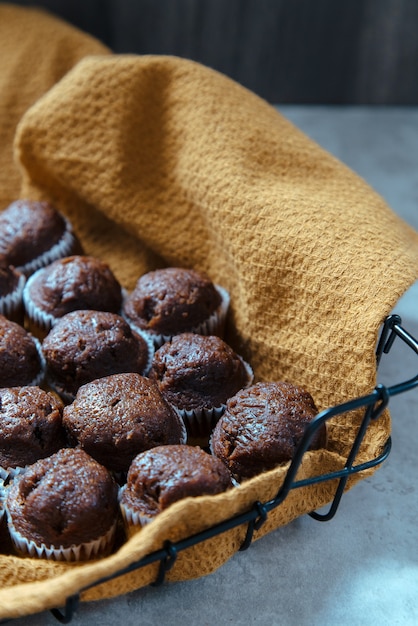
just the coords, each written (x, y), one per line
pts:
(371, 405)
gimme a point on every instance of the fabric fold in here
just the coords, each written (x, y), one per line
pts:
(184, 165)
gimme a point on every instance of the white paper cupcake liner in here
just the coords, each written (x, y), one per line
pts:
(81, 552)
(200, 422)
(38, 380)
(184, 435)
(9, 473)
(214, 325)
(64, 247)
(151, 348)
(11, 305)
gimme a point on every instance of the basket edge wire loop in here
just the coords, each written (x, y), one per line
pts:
(374, 404)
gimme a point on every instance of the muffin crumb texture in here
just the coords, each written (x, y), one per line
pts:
(116, 417)
(262, 427)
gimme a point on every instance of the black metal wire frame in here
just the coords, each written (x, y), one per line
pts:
(373, 405)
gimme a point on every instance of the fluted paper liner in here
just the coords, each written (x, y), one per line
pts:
(11, 304)
(161, 161)
(83, 551)
(201, 421)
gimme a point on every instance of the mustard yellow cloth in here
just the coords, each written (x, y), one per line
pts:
(161, 161)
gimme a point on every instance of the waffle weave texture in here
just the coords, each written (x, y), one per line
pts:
(162, 161)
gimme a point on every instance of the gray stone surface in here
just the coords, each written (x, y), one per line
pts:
(361, 568)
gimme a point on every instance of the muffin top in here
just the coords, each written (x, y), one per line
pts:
(28, 229)
(84, 345)
(196, 371)
(30, 425)
(171, 300)
(74, 282)
(165, 474)
(20, 360)
(116, 417)
(63, 500)
(262, 427)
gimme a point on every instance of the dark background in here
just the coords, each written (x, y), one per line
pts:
(287, 51)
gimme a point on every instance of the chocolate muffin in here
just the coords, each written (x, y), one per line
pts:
(115, 418)
(33, 234)
(12, 283)
(85, 345)
(174, 300)
(63, 507)
(69, 284)
(197, 374)
(262, 427)
(21, 360)
(30, 427)
(161, 476)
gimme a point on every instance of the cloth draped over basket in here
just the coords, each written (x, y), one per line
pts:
(160, 161)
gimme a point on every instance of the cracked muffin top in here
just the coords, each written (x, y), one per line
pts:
(116, 417)
(262, 427)
(165, 474)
